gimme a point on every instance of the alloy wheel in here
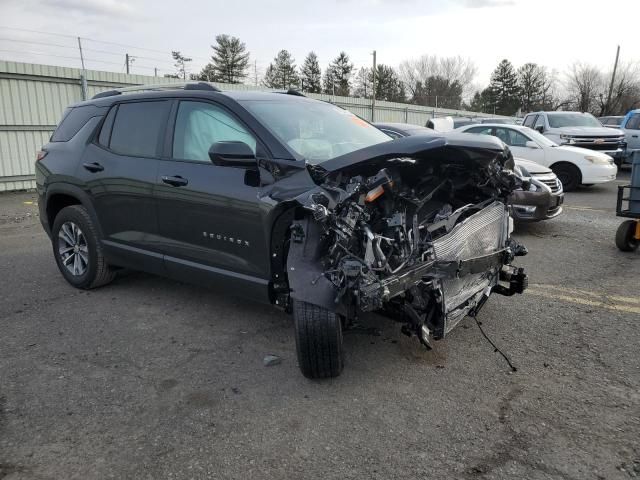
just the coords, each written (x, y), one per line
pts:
(72, 248)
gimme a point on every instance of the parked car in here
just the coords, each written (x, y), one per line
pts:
(494, 120)
(574, 166)
(613, 121)
(578, 130)
(464, 121)
(282, 199)
(630, 125)
(542, 197)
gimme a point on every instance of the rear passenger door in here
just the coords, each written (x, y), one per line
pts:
(119, 172)
(211, 226)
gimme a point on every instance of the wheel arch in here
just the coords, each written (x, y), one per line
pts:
(60, 196)
(570, 164)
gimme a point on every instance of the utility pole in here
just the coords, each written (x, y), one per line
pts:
(155, 72)
(373, 89)
(613, 79)
(83, 77)
(126, 60)
(255, 70)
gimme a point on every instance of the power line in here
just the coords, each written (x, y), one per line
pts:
(123, 45)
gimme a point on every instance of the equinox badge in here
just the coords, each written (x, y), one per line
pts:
(224, 238)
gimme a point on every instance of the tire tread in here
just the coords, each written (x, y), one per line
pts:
(318, 340)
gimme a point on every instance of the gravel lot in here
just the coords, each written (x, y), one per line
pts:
(149, 378)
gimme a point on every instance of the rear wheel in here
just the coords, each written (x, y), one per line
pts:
(568, 174)
(625, 236)
(318, 340)
(77, 249)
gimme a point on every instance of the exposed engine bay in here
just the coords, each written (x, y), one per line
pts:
(420, 235)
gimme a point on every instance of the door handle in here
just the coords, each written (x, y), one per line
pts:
(634, 136)
(176, 181)
(93, 167)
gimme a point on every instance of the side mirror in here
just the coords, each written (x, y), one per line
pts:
(232, 154)
(540, 128)
(531, 144)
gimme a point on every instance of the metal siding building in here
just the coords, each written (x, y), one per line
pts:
(33, 98)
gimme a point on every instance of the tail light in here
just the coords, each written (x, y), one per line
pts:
(40, 154)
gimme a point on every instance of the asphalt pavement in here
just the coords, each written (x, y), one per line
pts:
(149, 378)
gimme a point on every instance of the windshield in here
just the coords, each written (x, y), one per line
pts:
(317, 131)
(559, 120)
(540, 139)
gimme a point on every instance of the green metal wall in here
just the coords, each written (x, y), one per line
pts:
(33, 97)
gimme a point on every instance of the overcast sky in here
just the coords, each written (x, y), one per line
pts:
(550, 32)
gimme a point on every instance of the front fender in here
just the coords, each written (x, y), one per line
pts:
(305, 272)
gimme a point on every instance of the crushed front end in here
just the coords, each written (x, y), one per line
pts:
(420, 233)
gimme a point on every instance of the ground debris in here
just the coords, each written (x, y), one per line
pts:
(271, 360)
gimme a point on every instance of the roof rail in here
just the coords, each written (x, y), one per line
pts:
(292, 91)
(160, 87)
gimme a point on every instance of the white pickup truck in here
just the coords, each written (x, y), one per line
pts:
(578, 129)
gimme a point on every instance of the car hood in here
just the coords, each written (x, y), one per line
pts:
(530, 166)
(577, 151)
(452, 148)
(595, 131)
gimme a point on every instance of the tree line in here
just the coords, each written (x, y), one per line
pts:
(446, 82)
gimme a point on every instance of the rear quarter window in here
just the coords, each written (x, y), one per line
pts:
(73, 120)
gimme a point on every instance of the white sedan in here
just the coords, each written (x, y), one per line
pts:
(574, 166)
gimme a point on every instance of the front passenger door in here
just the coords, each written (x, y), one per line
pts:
(632, 132)
(210, 223)
(518, 144)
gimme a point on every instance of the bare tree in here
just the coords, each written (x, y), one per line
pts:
(449, 71)
(584, 84)
(626, 90)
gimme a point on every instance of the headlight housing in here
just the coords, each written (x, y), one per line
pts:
(567, 138)
(597, 160)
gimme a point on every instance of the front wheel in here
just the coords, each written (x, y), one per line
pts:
(626, 236)
(77, 249)
(569, 175)
(318, 334)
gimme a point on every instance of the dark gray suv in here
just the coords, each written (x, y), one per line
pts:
(281, 199)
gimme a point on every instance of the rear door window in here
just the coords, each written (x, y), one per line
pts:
(480, 130)
(138, 128)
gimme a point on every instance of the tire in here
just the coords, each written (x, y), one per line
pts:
(625, 236)
(77, 249)
(318, 334)
(569, 175)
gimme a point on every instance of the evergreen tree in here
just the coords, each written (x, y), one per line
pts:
(438, 91)
(208, 73)
(504, 90)
(281, 73)
(338, 76)
(388, 85)
(181, 65)
(532, 79)
(230, 59)
(310, 74)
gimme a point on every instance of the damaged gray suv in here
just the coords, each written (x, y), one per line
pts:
(285, 200)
